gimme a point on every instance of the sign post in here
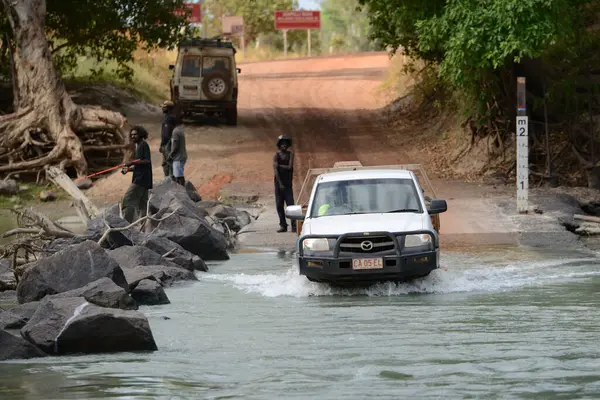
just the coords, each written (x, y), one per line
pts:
(297, 19)
(522, 148)
(234, 25)
(195, 13)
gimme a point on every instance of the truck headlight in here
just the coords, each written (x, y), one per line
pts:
(422, 240)
(315, 244)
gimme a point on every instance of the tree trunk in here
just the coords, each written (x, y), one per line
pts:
(44, 108)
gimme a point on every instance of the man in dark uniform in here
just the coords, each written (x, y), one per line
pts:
(283, 165)
(168, 125)
(136, 197)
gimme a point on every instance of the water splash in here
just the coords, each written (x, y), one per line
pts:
(457, 278)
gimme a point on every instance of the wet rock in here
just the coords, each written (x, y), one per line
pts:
(84, 184)
(73, 325)
(8, 187)
(47, 195)
(149, 292)
(7, 277)
(173, 252)
(234, 218)
(104, 293)
(71, 268)
(160, 273)
(139, 263)
(133, 256)
(16, 317)
(14, 347)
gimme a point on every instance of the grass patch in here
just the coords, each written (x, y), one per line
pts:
(29, 194)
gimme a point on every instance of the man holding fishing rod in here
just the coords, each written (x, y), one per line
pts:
(136, 197)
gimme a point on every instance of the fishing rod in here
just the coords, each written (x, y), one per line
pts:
(106, 170)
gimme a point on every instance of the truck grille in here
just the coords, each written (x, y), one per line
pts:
(360, 244)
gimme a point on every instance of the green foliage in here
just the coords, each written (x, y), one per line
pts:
(108, 29)
(345, 27)
(476, 42)
(111, 29)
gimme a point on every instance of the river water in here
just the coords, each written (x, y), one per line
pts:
(509, 323)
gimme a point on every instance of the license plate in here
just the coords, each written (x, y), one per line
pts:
(367, 263)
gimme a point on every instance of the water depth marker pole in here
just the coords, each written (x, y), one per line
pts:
(522, 148)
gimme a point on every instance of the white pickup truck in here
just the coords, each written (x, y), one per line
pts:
(363, 226)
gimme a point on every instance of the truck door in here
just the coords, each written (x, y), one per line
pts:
(191, 68)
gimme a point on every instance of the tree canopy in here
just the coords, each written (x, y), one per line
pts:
(344, 26)
(107, 29)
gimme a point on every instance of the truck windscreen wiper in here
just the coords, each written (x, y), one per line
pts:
(400, 210)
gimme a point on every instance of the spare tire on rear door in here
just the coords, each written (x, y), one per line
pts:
(216, 84)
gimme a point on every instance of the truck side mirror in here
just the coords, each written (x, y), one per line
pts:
(437, 206)
(294, 213)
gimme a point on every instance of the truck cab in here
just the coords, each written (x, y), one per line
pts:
(364, 226)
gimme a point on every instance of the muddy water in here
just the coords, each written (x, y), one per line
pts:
(497, 324)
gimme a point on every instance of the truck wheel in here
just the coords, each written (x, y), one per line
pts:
(231, 116)
(216, 85)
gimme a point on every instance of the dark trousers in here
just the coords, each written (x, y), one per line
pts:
(284, 196)
(135, 200)
(166, 166)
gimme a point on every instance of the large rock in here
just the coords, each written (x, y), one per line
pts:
(132, 256)
(149, 293)
(140, 263)
(188, 226)
(16, 317)
(160, 273)
(104, 293)
(167, 188)
(173, 252)
(97, 226)
(70, 268)
(15, 347)
(73, 325)
(234, 218)
(7, 277)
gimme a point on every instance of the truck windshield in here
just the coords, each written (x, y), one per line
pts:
(365, 196)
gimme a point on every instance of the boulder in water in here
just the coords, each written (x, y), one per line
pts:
(71, 268)
(73, 325)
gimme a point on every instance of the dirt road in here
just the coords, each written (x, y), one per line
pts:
(331, 107)
(327, 105)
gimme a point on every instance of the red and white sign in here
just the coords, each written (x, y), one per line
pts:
(297, 19)
(195, 16)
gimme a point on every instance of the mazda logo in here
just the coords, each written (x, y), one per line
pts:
(366, 245)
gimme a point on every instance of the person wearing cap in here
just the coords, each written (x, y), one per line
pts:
(136, 197)
(283, 166)
(168, 125)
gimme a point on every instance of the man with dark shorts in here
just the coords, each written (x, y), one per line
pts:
(283, 166)
(136, 197)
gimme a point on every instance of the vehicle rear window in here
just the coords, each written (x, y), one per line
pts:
(190, 66)
(215, 63)
(365, 196)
